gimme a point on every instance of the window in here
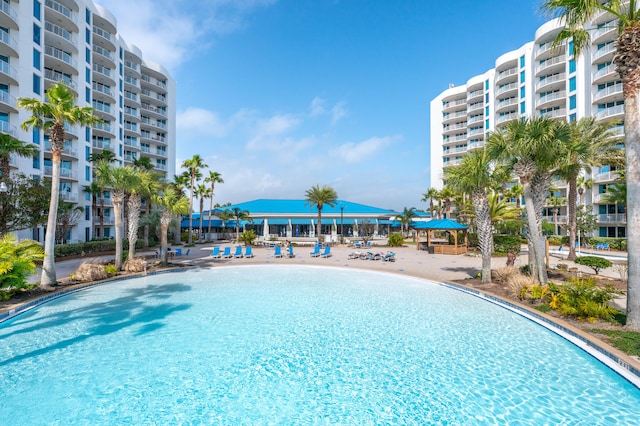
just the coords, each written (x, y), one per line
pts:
(36, 34)
(572, 84)
(572, 65)
(522, 108)
(87, 35)
(87, 15)
(522, 92)
(486, 123)
(36, 161)
(522, 61)
(521, 76)
(36, 136)
(571, 48)
(87, 75)
(572, 118)
(36, 84)
(486, 98)
(572, 102)
(87, 54)
(87, 134)
(36, 59)
(87, 153)
(87, 94)
(36, 9)
(87, 212)
(87, 173)
(486, 85)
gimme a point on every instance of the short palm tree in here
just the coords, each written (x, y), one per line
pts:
(405, 219)
(430, 195)
(238, 216)
(180, 182)
(145, 164)
(108, 157)
(121, 180)
(531, 150)
(474, 176)
(445, 195)
(144, 184)
(193, 166)
(318, 197)
(575, 16)
(213, 178)
(172, 202)
(51, 115)
(582, 184)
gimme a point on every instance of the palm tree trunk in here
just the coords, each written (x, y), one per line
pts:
(165, 220)
(485, 232)
(319, 224)
(537, 262)
(190, 239)
(200, 227)
(210, 208)
(631, 85)
(135, 204)
(117, 211)
(48, 277)
(147, 210)
(571, 200)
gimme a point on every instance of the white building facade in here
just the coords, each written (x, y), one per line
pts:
(43, 42)
(537, 80)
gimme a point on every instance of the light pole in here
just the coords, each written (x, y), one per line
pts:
(341, 222)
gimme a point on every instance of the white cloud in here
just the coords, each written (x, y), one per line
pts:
(201, 121)
(272, 129)
(338, 112)
(357, 152)
(182, 29)
(317, 107)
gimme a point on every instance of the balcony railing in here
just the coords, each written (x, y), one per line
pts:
(616, 217)
(60, 54)
(64, 172)
(63, 10)
(102, 33)
(608, 112)
(58, 76)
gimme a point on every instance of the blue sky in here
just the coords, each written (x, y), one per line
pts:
(280, 95)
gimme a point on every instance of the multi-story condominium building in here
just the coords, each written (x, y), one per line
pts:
(537, 80)
(43, 42)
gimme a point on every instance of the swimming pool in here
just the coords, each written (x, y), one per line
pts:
(291, 345)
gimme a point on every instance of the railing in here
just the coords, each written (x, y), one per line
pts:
(63, 10)
(475, 93)
(102, 33)
(7, 69)
(478, 131)
(103, 52)
(161, 152)
(161, 166)
(606, 176)
(132, 65)
(454, 103)
(4, 37)
(153, 109)
(607, 112)
(506, 117)
(106, 126)
(548, 97)
(561, 112)
(64, 172)
(9, 11)
(506, 88)
(551, 62)
(66, 150)
(60, 54)
(608, 48)
(99, 87)
(616, 88)
(58, 76)
(152, 80)
(68, 196)
(132, 81)
(506, 73)
(7, 128)
(102, 107)
(615, 217)
(551, 79)
(57, 30)
(6, 98)
(103, 145)
(611, 68)
(102, 70)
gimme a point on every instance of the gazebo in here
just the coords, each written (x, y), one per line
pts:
(449, 226)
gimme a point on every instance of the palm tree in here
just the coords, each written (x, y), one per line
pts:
(591, 144)
(145, 164)
(213, 178)
(430, 195)
(238, 215)
(515, 191)
(95, 190)
(556, 202)
(172, 202)
(202, 192)
(180, 182)
(51, 116)
(500, 210)
(445, 195)
(193, 166)
(121, 180)
(319, 196)
(97, 157)
(617, 193)
(10, 145)
(144, 184)
(583, 183)
(473, 176)
(531, 149)
(405, 219)
(575, 15)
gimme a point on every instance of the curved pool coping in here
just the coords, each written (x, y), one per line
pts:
(617, 361)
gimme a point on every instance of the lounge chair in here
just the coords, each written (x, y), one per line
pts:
(238, 252)
(368, 244)
(373, 256)
(315, 252)
(354, 255)
(227, 253)
(186, 253)
(278, 252)
(216, 253)
(291, 254)
(248, 251)
(326, 252)
(357, 244)
(178, 252)
(389, 257)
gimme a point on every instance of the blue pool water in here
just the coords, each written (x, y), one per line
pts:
(295, 345)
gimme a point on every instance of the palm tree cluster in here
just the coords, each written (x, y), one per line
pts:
(533, 151)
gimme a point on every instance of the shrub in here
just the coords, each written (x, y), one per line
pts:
(554, 240)
(248, 237)
(504, 274)
(594, 262)
(134, 265)
(472, 239)
(623, 270)
(519, 285)
(395, 240)
(583, 299)
(111, 270)
(506, 243)
(17, 263)
(90, 272)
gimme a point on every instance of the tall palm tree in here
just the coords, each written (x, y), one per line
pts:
(193, 166)
(51, 115)
(591, 144)
(121, 180)
(575, 16)
(144, 184)
(473, 176)
(445, 195)
(430, 195)
(213, 178)
(145, 164)
(530, 149)
(617, 192)
(10, 145)
(172, 202)
(515, 191)
(319, 196)
(202, 192)
(180, 182)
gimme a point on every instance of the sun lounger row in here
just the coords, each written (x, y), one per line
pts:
(226, 254)
(278, 252)
(388, 257)
(317, 253)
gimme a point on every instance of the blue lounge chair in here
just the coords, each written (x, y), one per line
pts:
(389, 257)
(178, 252)
(291, 254)
(605, 246)
(278, 252)
(357, 244)
(216, 253)
(315, 252)
(227, 253)
(326, 252)
(248, 252)
(238, 252)
(186, 253)
(368, 244)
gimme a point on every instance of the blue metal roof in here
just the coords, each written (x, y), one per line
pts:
(265, 206)
(439, 224)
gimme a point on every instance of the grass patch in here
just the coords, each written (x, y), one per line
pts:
(627, 341)
(544, 307)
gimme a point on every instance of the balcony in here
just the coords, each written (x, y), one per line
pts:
(8, 45)
(446, 117)
(557, 63)
(7, 102)
(64, 172)
(607, 73)
(476, 131)
(8, 16)
(475, 119)
(104, 75)
(605, 53)
(556, 113)
(549, 99)
(614, 217)
(555, 81)
(106, 145)
(69, 197)
(608, 94)
(62, 33)
(155, 82)
(505, 104)
(454, 104)
(475, 145)
(104, 37)
(609, 176)
(475, 106)
(62, 14)
(103, 56)
(67, 150)
(507, 117)
(511, 87)
(64, 59)
(8, 128)
(606, 33)
(474, 95)
(613, 112)
(57, 76)
(8, 74)
(547, 50)
(510, 74)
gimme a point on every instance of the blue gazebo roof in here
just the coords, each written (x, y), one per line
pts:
(446, 224)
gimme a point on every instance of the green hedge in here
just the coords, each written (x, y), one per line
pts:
(506, 243)
(63, 250)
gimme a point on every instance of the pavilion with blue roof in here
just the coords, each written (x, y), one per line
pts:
(296, 219)
(442, 246)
